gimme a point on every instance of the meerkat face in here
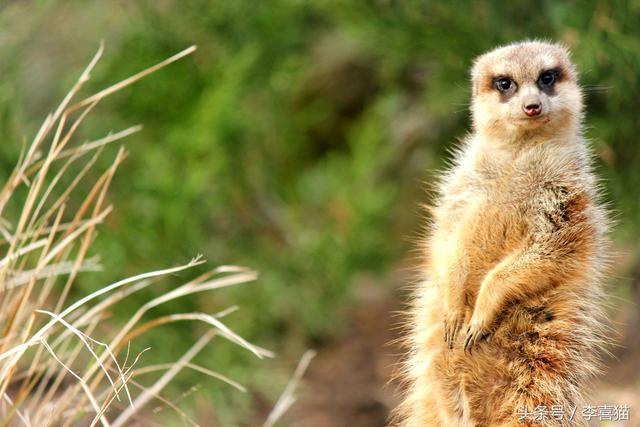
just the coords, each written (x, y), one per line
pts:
(525, 87)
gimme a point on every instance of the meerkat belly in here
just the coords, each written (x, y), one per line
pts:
(490, 230)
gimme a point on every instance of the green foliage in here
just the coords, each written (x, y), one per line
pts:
(294, 141)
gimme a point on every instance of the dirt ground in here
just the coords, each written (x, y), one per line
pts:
(348, 383)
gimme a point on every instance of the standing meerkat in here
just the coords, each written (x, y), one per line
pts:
(508, 318)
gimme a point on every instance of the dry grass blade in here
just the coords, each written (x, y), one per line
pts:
(87, 340)
(23, 417)
(85, 387)
(148, 394)
(198, 368)
(58, 269)
(206, 318)
(126, 82)
(288, 395)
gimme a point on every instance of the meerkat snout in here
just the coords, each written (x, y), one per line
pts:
(533, 109)
(532, 106)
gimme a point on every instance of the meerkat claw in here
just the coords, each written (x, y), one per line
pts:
(451, 328)
(474, 337)
(468, 342)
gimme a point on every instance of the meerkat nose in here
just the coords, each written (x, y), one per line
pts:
(532, 109)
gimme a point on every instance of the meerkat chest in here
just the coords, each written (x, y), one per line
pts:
(497, 205)
(486, 212)
(492, 212)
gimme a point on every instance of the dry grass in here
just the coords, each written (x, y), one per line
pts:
(288, 397)
(57, 367)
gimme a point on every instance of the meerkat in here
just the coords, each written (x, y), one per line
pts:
(509, 316)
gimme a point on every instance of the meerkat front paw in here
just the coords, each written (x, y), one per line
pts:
(453, 322)
(477, 331)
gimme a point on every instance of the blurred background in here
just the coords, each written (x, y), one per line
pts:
(299, 140)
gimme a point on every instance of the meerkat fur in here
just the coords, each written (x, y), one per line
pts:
(508, 316)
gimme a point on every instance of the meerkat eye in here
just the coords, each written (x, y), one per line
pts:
(503, 84)
(547, 78)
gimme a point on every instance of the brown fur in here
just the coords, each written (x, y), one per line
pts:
(514, 258)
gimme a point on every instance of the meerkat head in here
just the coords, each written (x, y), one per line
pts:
(527, 87)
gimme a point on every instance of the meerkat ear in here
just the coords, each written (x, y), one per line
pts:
(474, 87)
(567, 65)
(476, 76)
(479, 72)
